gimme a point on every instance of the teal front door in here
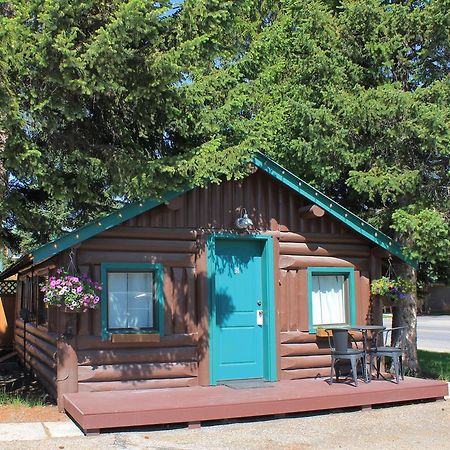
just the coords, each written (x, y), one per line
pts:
(238, 302)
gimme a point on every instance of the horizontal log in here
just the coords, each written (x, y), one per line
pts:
(311, 212)
(46, 347)
(150, 233)
(49, 385)
(296, 374)
(48, 375)
(134, 338)
(297, 337)
(119, 372)
(136, 384)
(306, 349)
(139, 245)
(305, 362)
(168, 259)
(38, 331)
(301, 262)
(37, 353)
(173, 340)
(289, 236)
(134, 355)
(315, 249)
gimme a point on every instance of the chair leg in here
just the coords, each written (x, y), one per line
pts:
(378, 366)
(331, 371)
(401, 367)
(364, 369)
(370, 366)
(354, 371)
(396, 368)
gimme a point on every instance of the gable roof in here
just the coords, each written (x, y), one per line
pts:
(332, 207)
(259, 160)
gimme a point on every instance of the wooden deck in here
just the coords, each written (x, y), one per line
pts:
(94, 411)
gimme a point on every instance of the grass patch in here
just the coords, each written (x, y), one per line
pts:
(20, 399)
(434, 364)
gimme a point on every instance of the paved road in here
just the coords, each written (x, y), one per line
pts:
(433, 333)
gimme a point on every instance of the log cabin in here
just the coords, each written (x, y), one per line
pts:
(224, 282)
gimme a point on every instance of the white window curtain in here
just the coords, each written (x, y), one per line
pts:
(328, 299)
(130, 300)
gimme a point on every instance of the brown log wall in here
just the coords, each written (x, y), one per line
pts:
(173, 235)
(302, 354)
(39, 354)
(174, 360)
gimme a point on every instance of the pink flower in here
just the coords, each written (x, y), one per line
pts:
(79, 289)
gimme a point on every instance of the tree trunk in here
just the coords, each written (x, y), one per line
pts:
(406, 315)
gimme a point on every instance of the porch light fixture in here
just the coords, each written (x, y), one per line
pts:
(244, 221)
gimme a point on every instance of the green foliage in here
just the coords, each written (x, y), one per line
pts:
(19, 399)
(105, 102)
(94, 110)
(434, 365)
(427, 235)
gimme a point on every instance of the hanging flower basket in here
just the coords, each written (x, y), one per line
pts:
(75, 293)
(391, 291)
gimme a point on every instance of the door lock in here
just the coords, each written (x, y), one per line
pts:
(259, 317)
(259, 302)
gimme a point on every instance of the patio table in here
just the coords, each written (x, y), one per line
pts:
(368, 342)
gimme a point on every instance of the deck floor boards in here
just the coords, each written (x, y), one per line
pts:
(113, 409)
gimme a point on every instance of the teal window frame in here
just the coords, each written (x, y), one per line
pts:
(349, 273)
(158, 271)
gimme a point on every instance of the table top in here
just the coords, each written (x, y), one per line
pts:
(336, 327)
(368, 327)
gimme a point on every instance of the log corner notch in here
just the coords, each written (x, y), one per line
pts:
(311, 212)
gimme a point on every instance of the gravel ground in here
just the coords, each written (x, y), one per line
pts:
(425, 425)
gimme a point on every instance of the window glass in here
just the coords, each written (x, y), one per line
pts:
(130, 300)
(329, 300)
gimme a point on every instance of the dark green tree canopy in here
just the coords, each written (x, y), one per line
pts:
(104, 102)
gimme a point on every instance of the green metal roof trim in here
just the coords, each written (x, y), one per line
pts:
(261, 161)
(97, 226)
(332, 207)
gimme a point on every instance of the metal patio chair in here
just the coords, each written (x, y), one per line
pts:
(341, 349)
(393, 350)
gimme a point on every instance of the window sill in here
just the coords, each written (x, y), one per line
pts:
(135, 337)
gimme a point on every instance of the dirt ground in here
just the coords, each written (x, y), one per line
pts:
(16, 413)
(416, 426)
(18, 390)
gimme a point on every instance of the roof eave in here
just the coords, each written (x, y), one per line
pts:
(332, 207)
(13, 269)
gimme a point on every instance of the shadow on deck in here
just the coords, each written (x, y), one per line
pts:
(94, 411)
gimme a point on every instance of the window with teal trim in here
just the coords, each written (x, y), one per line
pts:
(131, 301)
(331, 297)
(133, 298)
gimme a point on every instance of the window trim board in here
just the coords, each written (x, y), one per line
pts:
(158, 270)
(349, 272)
